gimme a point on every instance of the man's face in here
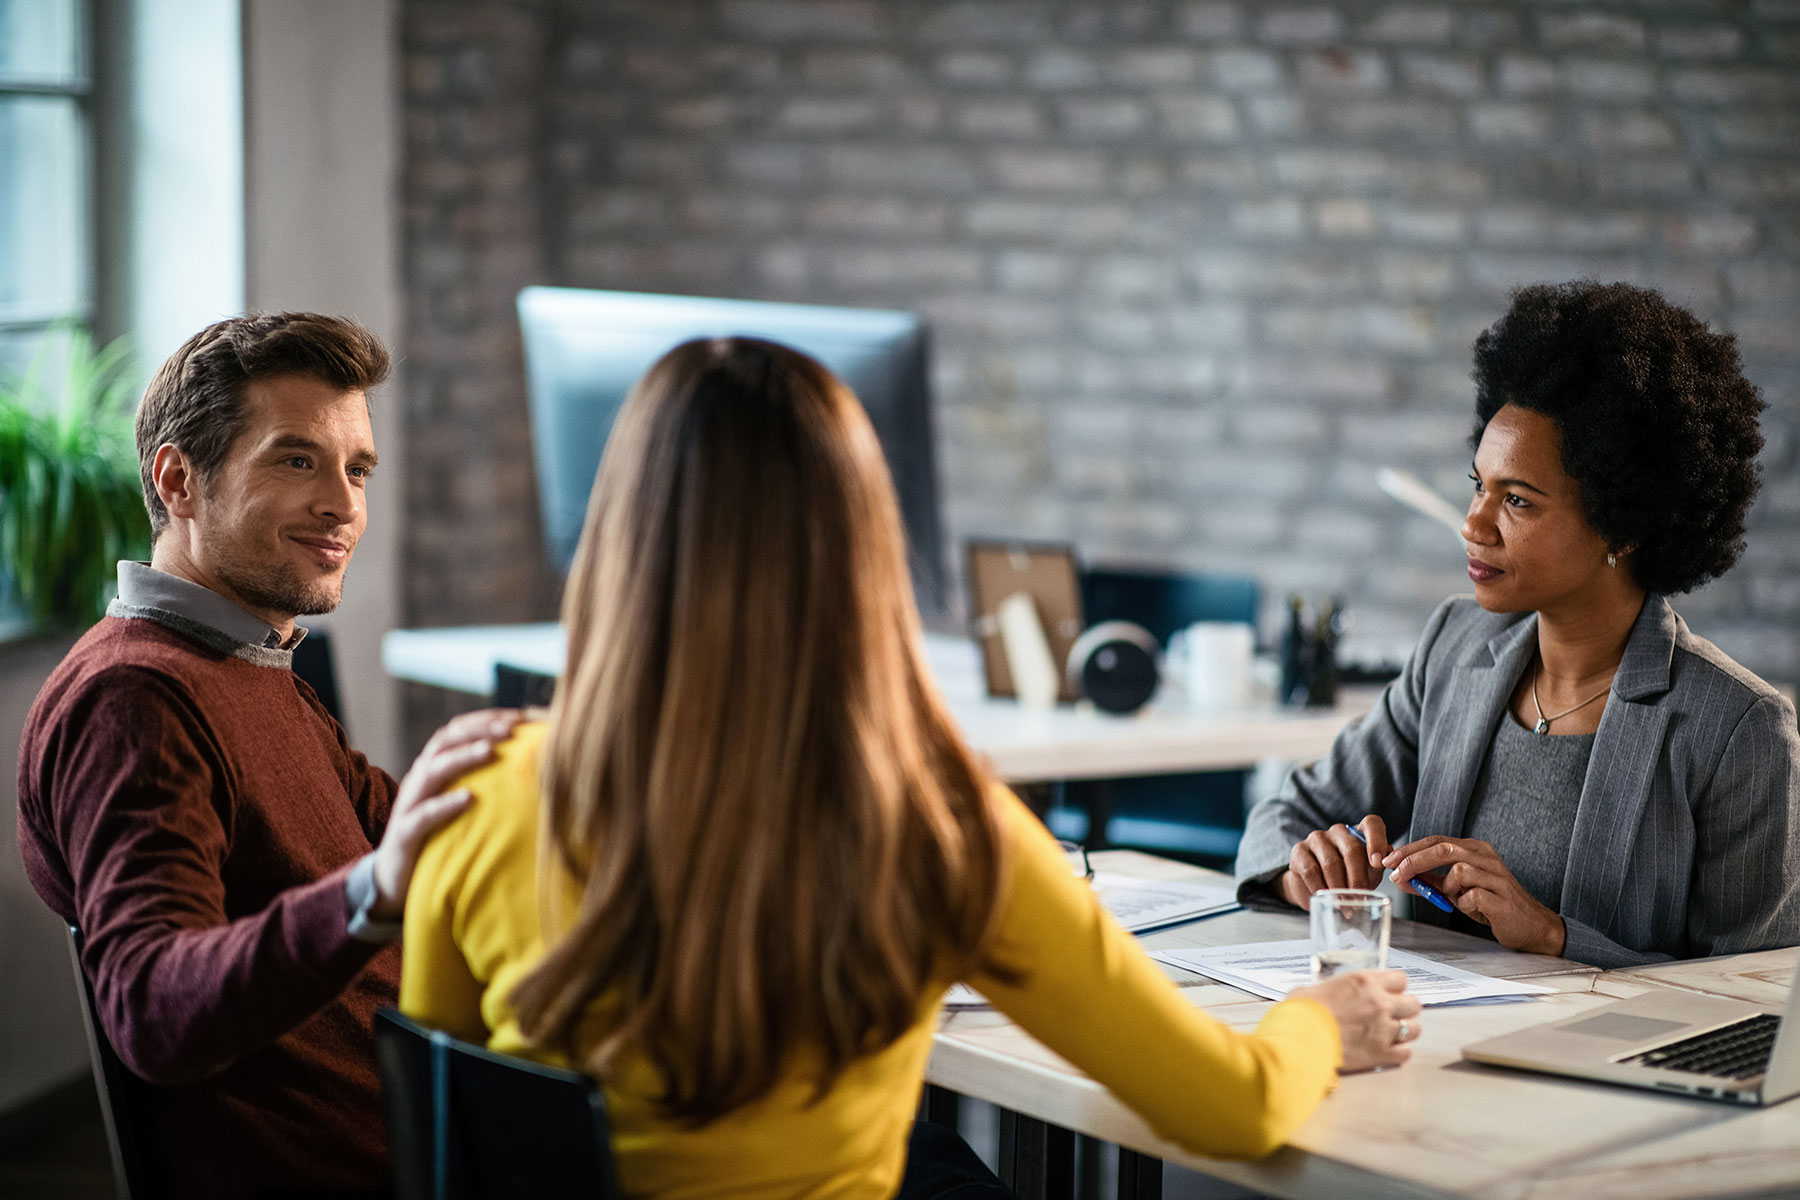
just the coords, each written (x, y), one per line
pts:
(278, 521)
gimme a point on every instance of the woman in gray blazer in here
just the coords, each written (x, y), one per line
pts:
(1567, 763)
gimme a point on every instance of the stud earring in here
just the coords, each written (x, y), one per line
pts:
(1612, 560)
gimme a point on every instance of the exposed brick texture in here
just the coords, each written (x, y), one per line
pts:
(1195, 269)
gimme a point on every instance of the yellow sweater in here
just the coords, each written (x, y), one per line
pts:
(1089, 993)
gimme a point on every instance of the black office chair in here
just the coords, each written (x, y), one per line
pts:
(313, 663)
(124, 1099)
(465, 1123)
(522, 687)
(1198, 816)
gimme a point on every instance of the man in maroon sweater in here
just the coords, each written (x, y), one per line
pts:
(236, 869)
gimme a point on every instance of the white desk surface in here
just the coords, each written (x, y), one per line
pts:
(1438, 1126)
(1022, 746)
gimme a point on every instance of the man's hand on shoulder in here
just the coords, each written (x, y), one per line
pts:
(422, 806)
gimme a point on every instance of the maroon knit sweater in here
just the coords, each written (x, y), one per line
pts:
(189, 804)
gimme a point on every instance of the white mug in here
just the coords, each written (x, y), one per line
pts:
(1218, 664)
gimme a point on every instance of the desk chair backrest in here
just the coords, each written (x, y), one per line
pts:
(521, 687)
(465, 1123)
(1196, 816)
(313, 662)
(124, 1100)
(1165, 601)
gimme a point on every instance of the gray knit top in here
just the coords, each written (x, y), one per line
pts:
(1524, 804)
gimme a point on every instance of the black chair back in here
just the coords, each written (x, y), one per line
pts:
(465, 1123)
(314, 663)
(124, 1100)
(1165, 601)
(1196, 816)
(522, 687)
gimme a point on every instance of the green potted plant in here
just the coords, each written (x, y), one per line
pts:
(70, 502)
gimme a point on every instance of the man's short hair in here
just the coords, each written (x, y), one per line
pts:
(196, 401)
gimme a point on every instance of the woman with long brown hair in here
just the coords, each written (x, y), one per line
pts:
(734, 873)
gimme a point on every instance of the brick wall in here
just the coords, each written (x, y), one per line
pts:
(1195, 269)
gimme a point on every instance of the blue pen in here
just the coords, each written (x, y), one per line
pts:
(1418, 885)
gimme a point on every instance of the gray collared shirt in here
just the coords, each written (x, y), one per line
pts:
(145, 590)
(143, 586)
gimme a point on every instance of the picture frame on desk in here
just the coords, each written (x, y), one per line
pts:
(1045, 571)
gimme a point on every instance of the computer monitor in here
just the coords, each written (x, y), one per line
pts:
(584, 349)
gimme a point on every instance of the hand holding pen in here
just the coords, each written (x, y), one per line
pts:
(1416, 885)
(1344, 856)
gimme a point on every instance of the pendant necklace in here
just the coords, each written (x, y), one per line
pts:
(1542, 727)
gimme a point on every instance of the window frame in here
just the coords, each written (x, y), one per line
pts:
(81, 91)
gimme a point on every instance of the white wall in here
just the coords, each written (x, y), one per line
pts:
(321, 170)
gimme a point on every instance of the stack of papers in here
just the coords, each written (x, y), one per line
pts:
(1273, 969)
(1139, 905)
(961, 995)
(1144, 904)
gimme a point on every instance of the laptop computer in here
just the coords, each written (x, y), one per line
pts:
(1667, 1041)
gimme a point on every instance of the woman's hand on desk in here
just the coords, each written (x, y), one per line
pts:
(1479, 884)
(1334, 858)
(1376, 1016)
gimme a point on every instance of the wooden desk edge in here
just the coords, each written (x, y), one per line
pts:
(1088, 1107)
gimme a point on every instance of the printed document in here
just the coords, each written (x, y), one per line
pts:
(1272, 969)
(1139, 905)
(1143, 904)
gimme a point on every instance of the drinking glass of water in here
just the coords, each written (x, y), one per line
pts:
(1349, 931)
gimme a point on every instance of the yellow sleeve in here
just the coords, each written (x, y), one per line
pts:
(471, 912)
(436, 987)
(1089, 992)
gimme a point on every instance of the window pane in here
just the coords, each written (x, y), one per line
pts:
(17, 349)
(40, 42)
(21, 349)
(43, 208)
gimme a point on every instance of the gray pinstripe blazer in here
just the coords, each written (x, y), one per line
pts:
(1687, 834)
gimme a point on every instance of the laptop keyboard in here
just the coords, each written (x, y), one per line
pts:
(1738, 1051)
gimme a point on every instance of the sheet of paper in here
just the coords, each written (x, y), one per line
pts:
(1141, 904)
(1273, 969)
(961, 995)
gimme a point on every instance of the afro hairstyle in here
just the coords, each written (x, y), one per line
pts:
(1658, 423)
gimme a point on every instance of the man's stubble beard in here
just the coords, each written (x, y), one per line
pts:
(280, 588)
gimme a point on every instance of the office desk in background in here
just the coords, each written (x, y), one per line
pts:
(1437, 1127)
(1022, 746)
